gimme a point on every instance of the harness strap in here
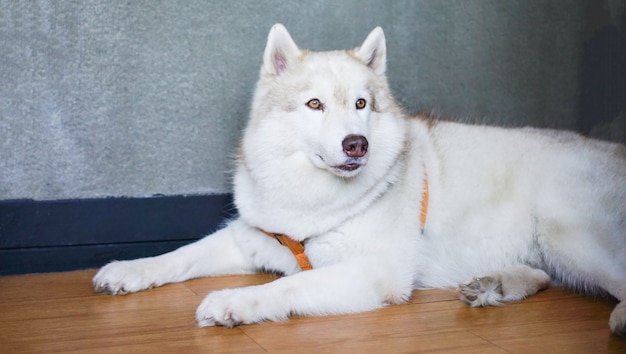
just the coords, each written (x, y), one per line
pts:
(297, 248)
(424, 211)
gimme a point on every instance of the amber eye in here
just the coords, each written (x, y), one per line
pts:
(314, 104)
(360, 103)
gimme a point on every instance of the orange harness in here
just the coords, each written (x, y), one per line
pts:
(297, 248)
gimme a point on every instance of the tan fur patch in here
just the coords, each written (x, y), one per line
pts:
(428, 118)
(342, 96)
(351, 54)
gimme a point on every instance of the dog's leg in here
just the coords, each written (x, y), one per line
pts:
(335, 289)
(617, 321)
(236, 249)
(512, 284)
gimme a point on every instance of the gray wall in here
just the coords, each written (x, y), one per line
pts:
(136, 98)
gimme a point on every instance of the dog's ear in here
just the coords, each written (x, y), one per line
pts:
(280, 49)
(373, 51)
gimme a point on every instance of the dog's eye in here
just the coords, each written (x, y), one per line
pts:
(315, 104)
(360, 103)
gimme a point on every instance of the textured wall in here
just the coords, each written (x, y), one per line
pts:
(135, 98)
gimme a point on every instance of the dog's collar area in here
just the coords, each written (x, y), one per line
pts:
(297, 248)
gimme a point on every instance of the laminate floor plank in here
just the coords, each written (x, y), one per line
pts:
(59, 312)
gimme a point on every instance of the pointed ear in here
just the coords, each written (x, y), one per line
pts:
(279, 51)
(373, 51)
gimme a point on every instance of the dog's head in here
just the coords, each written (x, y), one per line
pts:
(321, 104)
(324, 134)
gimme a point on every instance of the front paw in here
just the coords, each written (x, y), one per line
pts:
(122, 277)
(485, 291)
(233, 307)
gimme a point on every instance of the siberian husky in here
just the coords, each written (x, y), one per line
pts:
(334, 177)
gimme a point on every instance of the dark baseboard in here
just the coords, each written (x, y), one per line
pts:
(63, 235)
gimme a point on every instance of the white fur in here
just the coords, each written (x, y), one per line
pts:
(507, 207)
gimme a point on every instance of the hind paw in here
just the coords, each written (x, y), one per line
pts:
(617, 322)
(484, 291)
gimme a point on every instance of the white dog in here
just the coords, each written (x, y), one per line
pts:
(378, 203)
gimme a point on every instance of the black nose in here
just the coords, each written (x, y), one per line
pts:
(355, 145)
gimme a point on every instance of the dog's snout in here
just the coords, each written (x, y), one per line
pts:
(355, 145)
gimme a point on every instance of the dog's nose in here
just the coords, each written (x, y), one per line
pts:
(355, 145)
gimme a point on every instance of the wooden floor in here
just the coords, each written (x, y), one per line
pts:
(59, 313)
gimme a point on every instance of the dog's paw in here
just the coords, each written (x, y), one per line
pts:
(617, 321)
(484, 291)
(122, 277)
(228, 308)
(233, 307)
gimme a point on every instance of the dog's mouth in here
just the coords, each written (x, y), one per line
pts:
(349, 167)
